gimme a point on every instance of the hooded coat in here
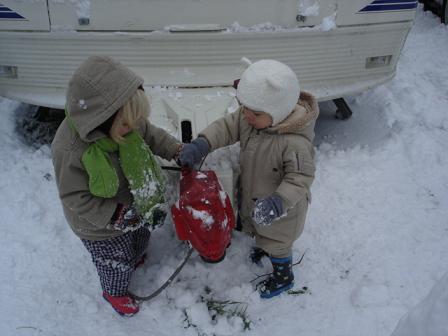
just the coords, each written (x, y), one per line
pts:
(278, 159)
(98, 88)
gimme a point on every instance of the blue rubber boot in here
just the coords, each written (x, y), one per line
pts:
(281, 279)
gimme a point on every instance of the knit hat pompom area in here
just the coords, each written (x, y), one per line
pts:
(269, 86)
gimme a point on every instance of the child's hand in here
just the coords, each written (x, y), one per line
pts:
(266, 210)
(193, 152)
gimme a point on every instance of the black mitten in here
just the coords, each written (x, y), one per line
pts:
(158, 218)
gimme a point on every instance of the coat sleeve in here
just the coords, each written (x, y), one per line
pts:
(299, 168)
(224, 131)
(160, 142)
(73, 185)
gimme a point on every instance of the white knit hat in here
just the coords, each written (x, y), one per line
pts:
(269, 86)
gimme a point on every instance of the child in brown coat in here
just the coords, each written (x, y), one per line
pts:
(275, 128)
(109, 183)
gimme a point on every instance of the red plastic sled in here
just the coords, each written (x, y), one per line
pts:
(203, 214)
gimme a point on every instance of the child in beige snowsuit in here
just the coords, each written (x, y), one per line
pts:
(108, 180)
(275, 128)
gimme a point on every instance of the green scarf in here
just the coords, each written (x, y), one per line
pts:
(139, 167)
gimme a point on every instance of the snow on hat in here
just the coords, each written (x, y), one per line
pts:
(269, 86)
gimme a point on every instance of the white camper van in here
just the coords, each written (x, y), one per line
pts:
(189, 51)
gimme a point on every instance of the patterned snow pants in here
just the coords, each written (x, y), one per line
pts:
(115, 259)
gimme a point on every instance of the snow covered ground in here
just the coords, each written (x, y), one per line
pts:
(376, 237)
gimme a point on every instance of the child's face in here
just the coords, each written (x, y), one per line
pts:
(123, 128)
(257, 120)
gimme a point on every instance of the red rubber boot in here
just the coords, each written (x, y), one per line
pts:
(123, 305)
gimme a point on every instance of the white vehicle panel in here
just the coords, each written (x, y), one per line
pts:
(342, 57)
(137, 15)
(24, 15)
(201, 59)
(189, 51)
(375, 11)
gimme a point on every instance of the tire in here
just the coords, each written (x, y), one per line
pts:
(444, 12)
(425, 5)
(38, 125)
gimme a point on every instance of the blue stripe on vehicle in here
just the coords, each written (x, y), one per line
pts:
(10, 15)
(388, 8)
(392, 1)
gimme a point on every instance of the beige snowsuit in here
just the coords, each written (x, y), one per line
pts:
(279, 160)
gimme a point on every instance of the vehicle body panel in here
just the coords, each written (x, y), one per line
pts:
(24, 15)
(189, 51)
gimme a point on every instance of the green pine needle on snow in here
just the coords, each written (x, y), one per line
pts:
(218, 308)
(228, 308)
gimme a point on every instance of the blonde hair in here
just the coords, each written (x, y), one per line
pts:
(132, 114)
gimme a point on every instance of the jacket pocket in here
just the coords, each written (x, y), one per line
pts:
(304, 165)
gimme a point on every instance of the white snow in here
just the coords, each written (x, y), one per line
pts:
(429, 316)
(82, 104)
(375, 238)
(224, 223)
(205, 217)
(223, 197)
(308, 7)
(82, 7)
(260, 27)
(328, 22)
(201, 175)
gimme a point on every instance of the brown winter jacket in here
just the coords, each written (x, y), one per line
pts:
(96, 91)
(279, 160)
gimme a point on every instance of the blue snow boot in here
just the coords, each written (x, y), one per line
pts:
(281, 279)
